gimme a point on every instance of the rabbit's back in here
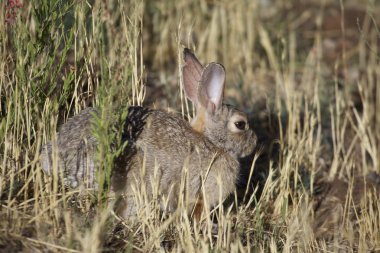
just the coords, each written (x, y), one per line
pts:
(75, 148)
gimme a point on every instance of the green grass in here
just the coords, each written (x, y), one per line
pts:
(307, 77)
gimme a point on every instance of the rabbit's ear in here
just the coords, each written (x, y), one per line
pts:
(211, 87)
(191, 75)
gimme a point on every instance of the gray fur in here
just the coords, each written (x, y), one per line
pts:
(170, 144)
(76, 150)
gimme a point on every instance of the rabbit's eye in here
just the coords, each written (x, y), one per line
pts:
(240, 125)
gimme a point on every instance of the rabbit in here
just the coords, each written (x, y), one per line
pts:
(162, 144)
(218, 132)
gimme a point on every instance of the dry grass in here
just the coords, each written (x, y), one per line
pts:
(308, 76)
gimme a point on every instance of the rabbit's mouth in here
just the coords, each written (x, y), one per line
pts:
(248, 144)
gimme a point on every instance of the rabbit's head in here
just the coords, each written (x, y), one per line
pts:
(224, 125)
